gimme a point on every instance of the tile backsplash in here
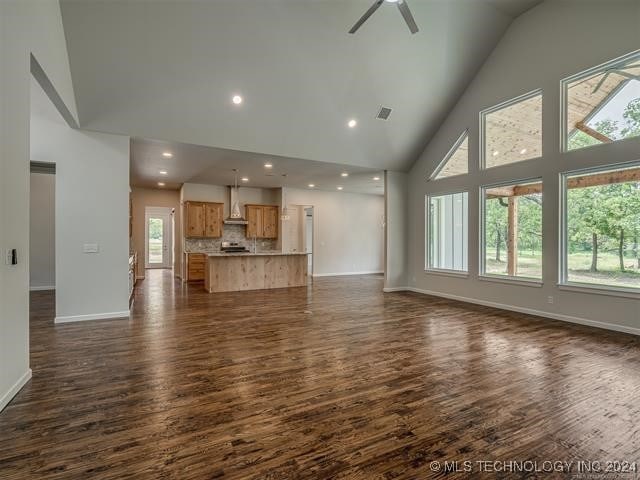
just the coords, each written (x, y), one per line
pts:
(230, 233)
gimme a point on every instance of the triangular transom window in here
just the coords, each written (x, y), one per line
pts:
(456, 162)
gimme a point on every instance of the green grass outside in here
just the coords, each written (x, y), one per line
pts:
(155, 250)
(530, 265)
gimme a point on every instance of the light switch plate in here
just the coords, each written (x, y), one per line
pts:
(90, 248)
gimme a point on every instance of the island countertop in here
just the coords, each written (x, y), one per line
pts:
(252, 254)
(232, 272)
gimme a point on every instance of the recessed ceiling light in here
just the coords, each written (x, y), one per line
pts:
(376, 178)
(523, 151)
(167, 154)
(268, 165)
(161, 184)
(339, 188)
(352, 123)
(245, 179)
(344, 174)
(496, 153)
(237, 99)
(391, 1)
(311, 185)
(163, 172)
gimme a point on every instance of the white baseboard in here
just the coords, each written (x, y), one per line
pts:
(92, 316)
(395, 289)
(8, 396)
(346, 273)
(42, 288)
(530, 311)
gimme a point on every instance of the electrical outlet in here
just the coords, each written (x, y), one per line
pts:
(549, 299)
(11, 257)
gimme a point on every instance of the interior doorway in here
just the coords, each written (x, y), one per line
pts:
(158, 243)
(42, 241)
(297, 232)
(308, 238)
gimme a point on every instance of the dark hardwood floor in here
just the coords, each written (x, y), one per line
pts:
(337, 380)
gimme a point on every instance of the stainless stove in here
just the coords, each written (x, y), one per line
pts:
(233, 247)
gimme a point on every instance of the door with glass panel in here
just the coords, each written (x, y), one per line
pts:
(158, 238)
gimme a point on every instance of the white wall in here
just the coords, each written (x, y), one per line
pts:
(92, 192)
(348, 234)
(554, 40)
(26, 26)
(42, 244)
(396, 229)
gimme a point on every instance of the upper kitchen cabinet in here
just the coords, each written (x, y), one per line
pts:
(263, 221)
(194, 214)
(213, 217)
(270, 222)
(203, 219)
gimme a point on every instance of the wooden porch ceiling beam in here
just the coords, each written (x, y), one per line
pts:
(606, 178)
(593, 133)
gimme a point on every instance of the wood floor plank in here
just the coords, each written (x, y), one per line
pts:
(334, 380)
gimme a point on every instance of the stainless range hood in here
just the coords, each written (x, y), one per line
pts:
(235, 216)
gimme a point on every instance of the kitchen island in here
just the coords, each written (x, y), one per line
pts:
(232, 272)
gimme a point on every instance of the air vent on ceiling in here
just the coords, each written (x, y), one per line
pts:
(384, 113)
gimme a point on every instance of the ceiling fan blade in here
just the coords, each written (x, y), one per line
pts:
(406, 14)
(366, 15)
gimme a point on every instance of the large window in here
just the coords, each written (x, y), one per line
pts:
(602, 105)
(447, 232)
(512, 230)
(601, 234)
(512, 131)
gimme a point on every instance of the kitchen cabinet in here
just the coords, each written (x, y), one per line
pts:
(213, 220)
(262, 221)
(255, 221)
(203, 219)
(196, 263)
(270, 225)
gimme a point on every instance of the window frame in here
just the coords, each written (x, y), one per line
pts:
(563, 264)
(427, 238)
(482, 259)
(564, 98)
(461, 138)
(508, 103)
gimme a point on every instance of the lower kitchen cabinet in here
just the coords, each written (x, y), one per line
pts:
(196, 263)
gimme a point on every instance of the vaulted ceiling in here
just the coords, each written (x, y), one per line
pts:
(167, 70)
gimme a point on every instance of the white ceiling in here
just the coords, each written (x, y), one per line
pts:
(168, 69)
(514, 7)
(214, 166)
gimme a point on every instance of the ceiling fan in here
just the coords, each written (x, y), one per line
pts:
(402, 6)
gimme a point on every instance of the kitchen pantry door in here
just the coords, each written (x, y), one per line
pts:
(158, 237)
